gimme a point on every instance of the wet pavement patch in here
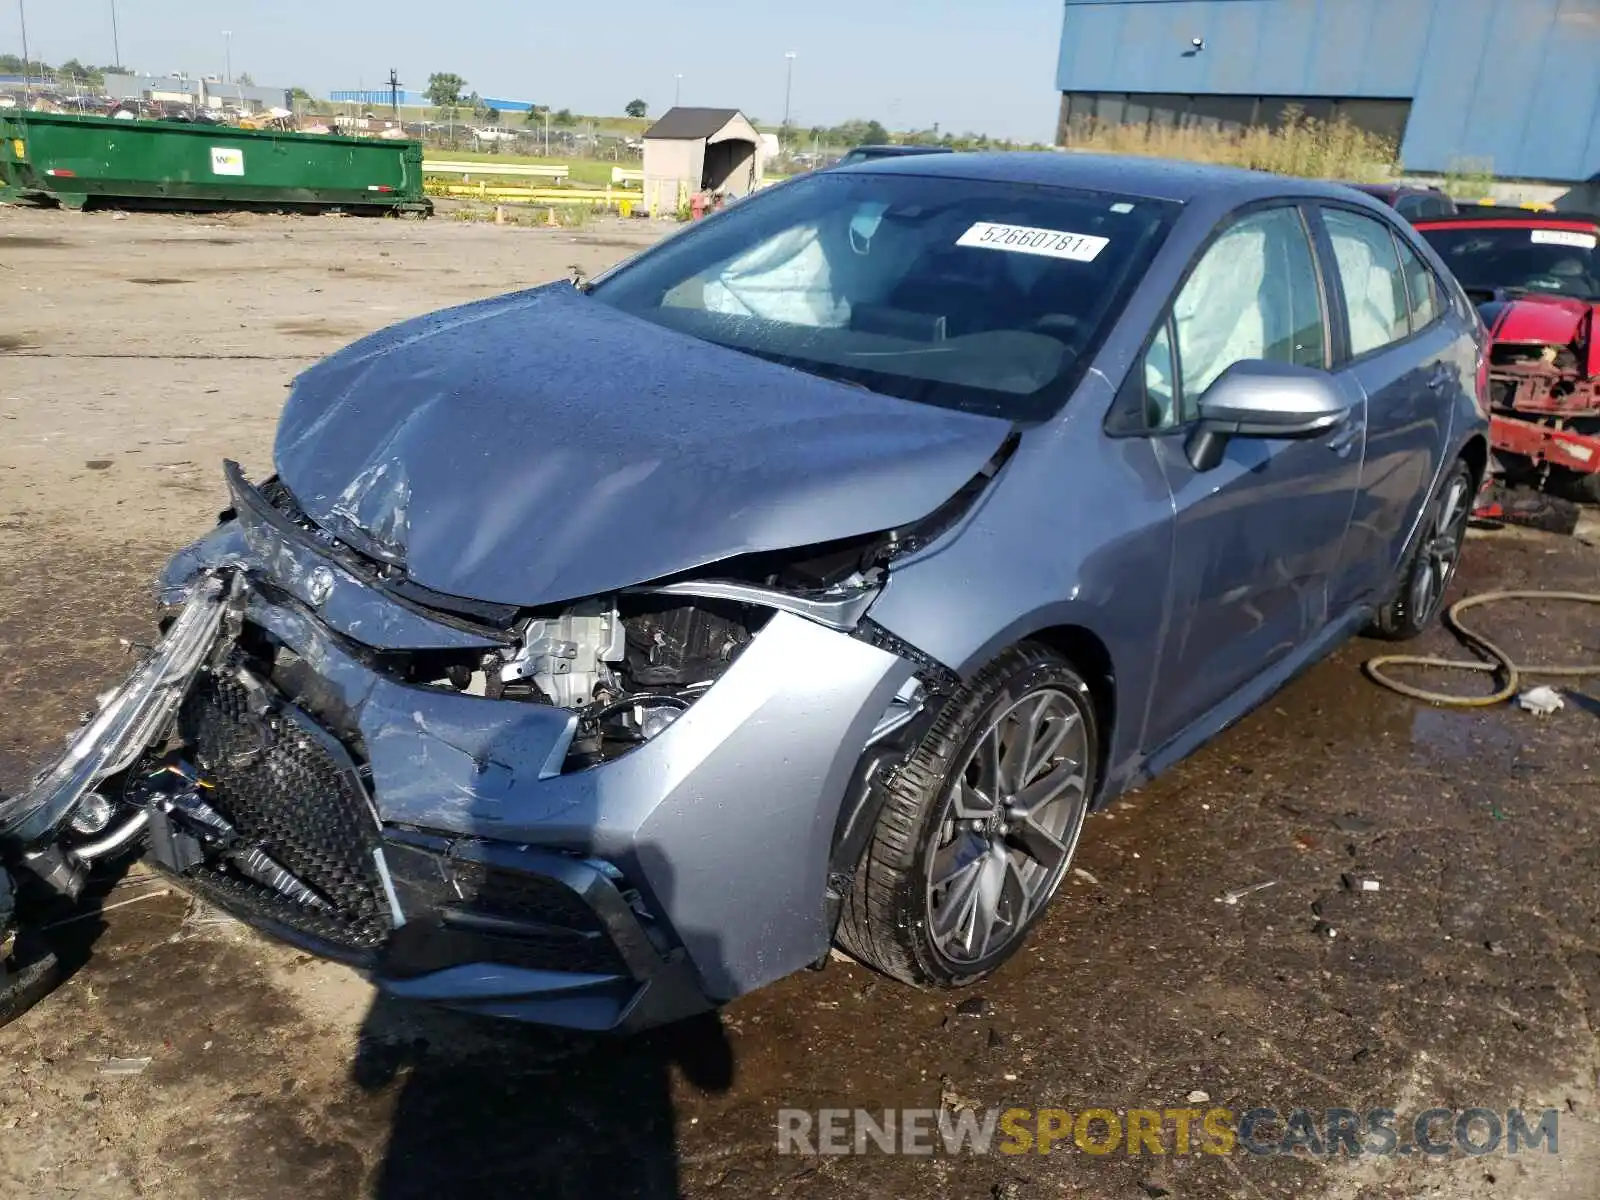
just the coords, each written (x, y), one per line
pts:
(18, 241)
(13, 341)
(158, 281)
(316, 329)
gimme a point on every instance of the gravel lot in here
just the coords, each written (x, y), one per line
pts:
(136, 353)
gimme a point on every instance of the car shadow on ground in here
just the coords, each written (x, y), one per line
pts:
(489, 1108)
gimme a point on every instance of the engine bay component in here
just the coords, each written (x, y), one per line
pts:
(568, 657)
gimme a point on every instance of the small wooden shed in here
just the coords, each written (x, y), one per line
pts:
(689, 150)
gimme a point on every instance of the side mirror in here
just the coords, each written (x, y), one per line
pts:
(1264, 400)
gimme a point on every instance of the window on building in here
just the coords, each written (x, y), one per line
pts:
(1230, 113)
(1386, 118)
(1165, 109)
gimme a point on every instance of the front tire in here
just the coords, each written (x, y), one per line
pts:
(978, 826)
(1433, 563)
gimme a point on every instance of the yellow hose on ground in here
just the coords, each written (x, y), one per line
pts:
(1497, 661)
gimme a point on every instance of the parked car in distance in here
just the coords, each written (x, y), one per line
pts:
(1412, 203)
(597, 654)
(1536, 279)
(863, 154)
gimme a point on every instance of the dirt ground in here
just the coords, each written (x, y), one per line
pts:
(136, 353)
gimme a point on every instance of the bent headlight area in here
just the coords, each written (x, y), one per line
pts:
(131, 717)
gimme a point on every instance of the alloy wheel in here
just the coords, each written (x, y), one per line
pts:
(1009, 826)
(1441, 550)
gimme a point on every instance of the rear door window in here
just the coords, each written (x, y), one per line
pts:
(1369, 273)
(1422, 288)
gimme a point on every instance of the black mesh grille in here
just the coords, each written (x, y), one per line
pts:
(284, 792)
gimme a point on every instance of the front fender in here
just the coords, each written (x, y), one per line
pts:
(1077, 532)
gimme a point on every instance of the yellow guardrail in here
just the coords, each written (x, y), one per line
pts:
(621, 199)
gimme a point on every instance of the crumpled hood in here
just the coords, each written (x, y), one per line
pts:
(543, 446)
(1545, 320)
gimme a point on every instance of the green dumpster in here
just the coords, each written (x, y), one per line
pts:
(78, 160)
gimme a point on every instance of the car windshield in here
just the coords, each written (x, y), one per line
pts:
(979, 295)
(1486, 257)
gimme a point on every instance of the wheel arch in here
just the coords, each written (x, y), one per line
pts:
(1089, 655)
(1083, 649)
(1476, 452)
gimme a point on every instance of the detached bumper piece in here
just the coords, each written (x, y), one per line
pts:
(520, 932)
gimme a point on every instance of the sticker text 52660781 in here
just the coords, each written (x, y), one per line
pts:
(1024, 239)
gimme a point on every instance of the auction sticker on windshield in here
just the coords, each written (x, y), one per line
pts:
(1024, 239)
(1564, 237)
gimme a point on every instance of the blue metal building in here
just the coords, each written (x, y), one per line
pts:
(1510, 87)
(379, 97)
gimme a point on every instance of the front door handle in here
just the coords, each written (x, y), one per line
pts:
(1345, 438)
(1439, 379)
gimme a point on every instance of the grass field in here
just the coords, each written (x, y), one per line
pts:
(1301, 146)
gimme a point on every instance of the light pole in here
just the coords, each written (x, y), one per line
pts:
(788, 91)
(22, 16)
(116, 45)
(227, 56)
(677, 84)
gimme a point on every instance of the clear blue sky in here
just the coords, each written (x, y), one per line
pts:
(967, 64)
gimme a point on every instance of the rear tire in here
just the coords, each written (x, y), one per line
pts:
(978, 826)
(1432, 565)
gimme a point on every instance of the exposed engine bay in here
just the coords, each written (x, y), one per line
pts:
(629, 665)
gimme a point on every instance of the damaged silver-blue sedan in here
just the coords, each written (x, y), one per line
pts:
(599, 653)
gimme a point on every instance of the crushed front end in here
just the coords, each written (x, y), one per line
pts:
(604, 815)
(1544, 385)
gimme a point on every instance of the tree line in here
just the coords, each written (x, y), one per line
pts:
(447, 90)
(71, 71)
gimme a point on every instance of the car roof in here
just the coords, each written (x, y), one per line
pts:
(1129, 175)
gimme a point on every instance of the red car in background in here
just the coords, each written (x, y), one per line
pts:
(1413, 203)
(1536, 280)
